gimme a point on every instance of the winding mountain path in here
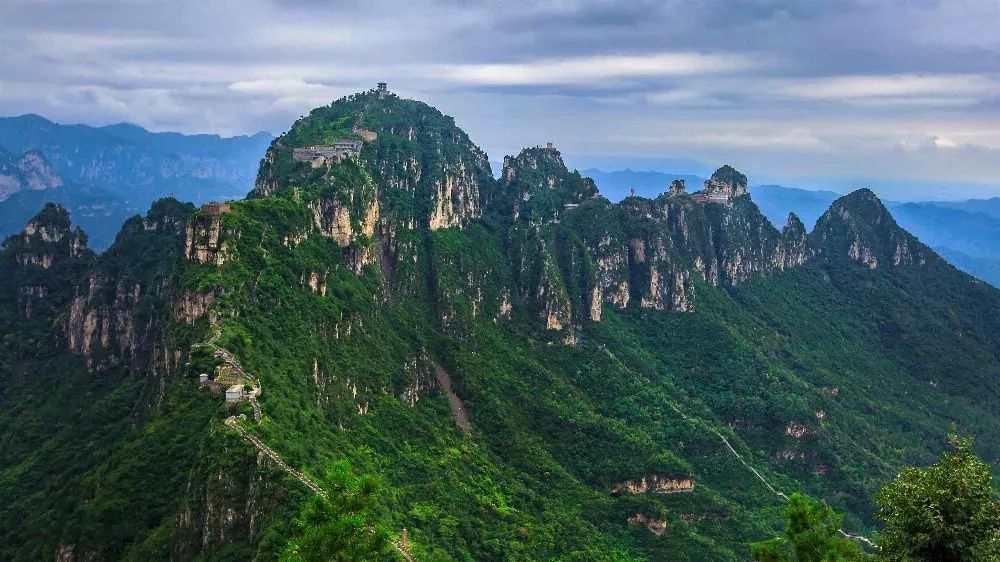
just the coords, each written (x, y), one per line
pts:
(730, 448)
(230, 360)
(233, 422)
(773, 490)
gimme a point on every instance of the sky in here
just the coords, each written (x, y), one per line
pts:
(899, 96)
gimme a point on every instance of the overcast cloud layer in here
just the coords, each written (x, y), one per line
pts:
(791, 90)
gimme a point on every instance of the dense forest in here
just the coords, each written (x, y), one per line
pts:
(471, 368)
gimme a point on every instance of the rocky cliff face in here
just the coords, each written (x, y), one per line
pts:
(655, 484)
(611, 269)
(332, 218)
(555, 274)
(43, 261)
(536, 186)
(571, 252)
(226, 504)
(117, 313)
(31, 171)
(348, 287)
(793, 250)
(48, 239)
(726, 237)
(659, 274)
(110, 308)
(639, 252)
(435, 176)
(455, 197)
(203, 240)
(725, 184)
(858, 227)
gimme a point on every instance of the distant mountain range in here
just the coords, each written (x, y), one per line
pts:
(104, 175)
(966, 233)
(618, 184)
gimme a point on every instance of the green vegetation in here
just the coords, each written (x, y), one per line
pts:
(728, 174)
(947, 511)
(825, 377)
(812, 534)
(339, 528)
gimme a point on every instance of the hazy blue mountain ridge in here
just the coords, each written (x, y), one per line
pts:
(107, 174)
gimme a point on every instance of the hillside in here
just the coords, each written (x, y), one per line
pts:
(530, 370)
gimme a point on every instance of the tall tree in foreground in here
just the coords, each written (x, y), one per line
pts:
(812, 535)
(340, 528)
(945, 512)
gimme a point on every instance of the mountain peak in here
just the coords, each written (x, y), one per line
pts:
(862, 198)
(729, 175)
(548, 159)
(794, 224)
(426, 169)
(33, 118)
(863, 205)
(725, 184)
(537, 184)
(47, 239)
(861, 228)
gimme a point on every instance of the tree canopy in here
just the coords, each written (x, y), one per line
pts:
(341, 527)
(944, 512)
(812, 534)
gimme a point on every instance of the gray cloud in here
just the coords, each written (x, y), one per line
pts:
(784, 88)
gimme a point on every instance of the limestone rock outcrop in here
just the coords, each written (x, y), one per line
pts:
(332, 218)
(655, 526)
(455, 197)
(859, 227)
(117, 313)
(536, 186)
(793, 250)
(48, 238)
(654, 484)
(31, 171)
(43, 262)
(203, 241)
(725, 185)
(438, 177)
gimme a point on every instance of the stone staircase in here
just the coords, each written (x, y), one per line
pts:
(233, 422)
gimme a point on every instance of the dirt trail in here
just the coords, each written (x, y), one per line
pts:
(457, 408)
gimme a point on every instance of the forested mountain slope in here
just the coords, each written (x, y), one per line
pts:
(531, 371)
